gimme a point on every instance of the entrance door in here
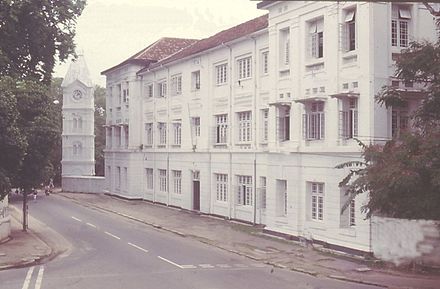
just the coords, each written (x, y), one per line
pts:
(196, 191)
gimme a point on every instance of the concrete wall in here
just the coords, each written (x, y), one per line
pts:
(83, 184)
(5, 220)
(404, 241)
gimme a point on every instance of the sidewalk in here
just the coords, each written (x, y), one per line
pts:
(23, 248)
(249, 241)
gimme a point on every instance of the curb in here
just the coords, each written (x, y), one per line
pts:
(274, 264)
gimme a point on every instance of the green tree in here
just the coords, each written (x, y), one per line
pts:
(402, 177)
(34, 34)
(99, 129)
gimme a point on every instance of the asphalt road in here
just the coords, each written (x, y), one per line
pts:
(110, 251)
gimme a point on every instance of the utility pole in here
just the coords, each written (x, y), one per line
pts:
(25, 211)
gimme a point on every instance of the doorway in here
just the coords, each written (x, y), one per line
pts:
(196, 190)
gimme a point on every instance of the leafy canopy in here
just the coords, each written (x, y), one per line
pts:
(402, 177)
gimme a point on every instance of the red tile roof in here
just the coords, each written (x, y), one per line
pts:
(224, 36)
(160, 49)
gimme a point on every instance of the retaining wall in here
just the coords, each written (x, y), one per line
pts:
(404, 241)
(5, 220)
(83, 184)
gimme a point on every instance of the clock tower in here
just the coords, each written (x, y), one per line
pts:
(78, 156)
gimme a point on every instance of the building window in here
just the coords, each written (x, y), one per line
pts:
(163, 180)
(149, 178)
(265, 62)
(162, 89)
(316, 39)
(317, 201)
(118, 136)
(196, 80)
(244, 192)
(149, 133)
(265, 125)
(284, 41)
(162, 129)
(126, 136)
(118, 178)
(149, 90)
(126, 92)
(244, 68)
(314, 121)
(177, 182)
(222, 187)
(176, 84)
(125, 184)
(177, 133)
(349, 32)
(263, 192)
(77, 149)
(119, 92)
(399, 120)
(221, 73)
(195, 121)
(401, 17)
(244, 126)
(349, 119)
(221, 130)
(352, 213)
(281, 198)
(283, 123)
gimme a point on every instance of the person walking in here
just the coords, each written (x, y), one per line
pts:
(34, 193)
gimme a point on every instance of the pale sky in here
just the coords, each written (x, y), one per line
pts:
(110, 31)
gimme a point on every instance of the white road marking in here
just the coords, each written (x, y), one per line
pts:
(91, 225)
(171, 262)
(188, 266)
(223, 266)
(258, 265)
(76, 219)
(28, 278)
(241, 265)
(111, 235)
(39, 278)
(137, 247)
(206, 266)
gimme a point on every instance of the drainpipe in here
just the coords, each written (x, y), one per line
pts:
(168, 135)
(154, 128)
(254, 125)
(231, 194)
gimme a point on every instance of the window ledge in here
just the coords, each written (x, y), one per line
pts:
(349, 54)
(314, 62)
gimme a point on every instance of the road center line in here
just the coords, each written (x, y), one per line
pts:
(111, 235)
(137, 247)
(91, 225)
(28, 278)
(39, 278)
(171, 262)
(76, 219)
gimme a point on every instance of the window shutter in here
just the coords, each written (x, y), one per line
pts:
(305, 123)
(355, 123)
(314, 45)
(341, 124)
(343, 37)
(322, 128)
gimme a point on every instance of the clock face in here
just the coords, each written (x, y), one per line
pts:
(77, 94)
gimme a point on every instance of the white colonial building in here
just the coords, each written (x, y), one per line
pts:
(250, 123)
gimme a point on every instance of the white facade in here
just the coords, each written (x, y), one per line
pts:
(252, 128)
(78, 139)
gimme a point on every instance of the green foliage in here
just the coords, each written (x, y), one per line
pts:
(402, 177)
(34, 34)
(99, 95)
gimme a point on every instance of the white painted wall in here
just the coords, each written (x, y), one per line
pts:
(404, 241)
(5, 220)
